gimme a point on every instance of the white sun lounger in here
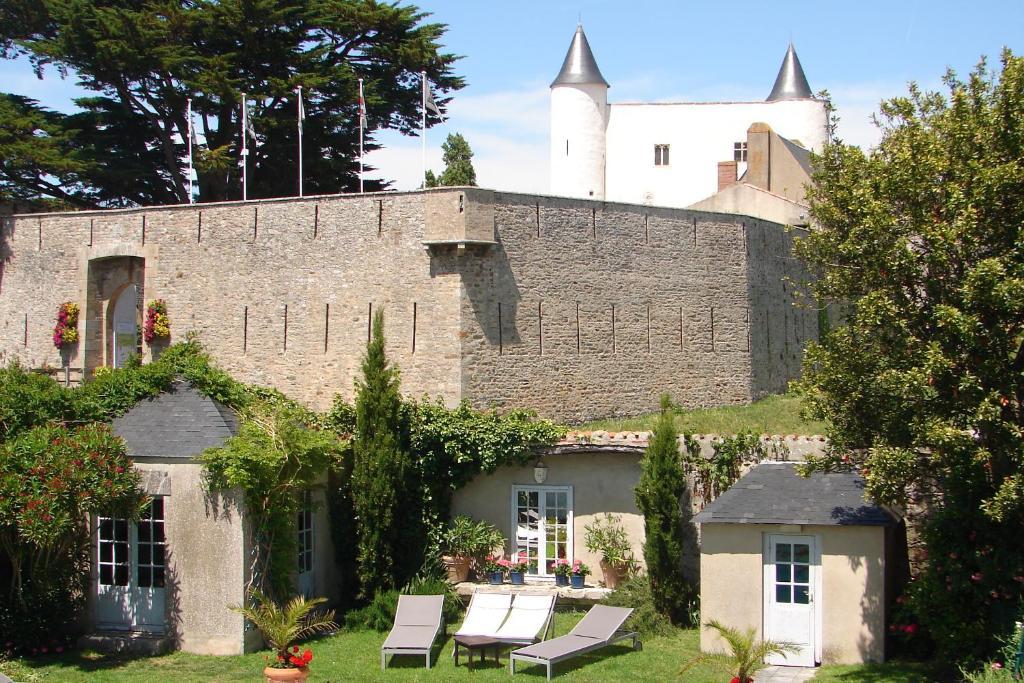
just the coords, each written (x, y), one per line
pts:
(418, 620)
(601, 626)
(528, 621)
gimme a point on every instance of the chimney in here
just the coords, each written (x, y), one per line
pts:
(726, 174)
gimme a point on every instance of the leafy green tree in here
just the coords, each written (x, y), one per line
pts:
(384, 489)
(658, 495)
(458, 164)
(923, 386)
(143, 60)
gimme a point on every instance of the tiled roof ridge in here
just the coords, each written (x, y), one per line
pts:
(637, 437)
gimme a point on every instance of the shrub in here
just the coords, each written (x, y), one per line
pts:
(607, 536)
(379, 614)
(635, 592)
(52, 479)
(473, 538)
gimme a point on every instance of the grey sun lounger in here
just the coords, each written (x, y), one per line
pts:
(601, 626)
(417, 622)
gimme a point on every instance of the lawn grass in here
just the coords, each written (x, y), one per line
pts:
(355, 656)
(770, 415)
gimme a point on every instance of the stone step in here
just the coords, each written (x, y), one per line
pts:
(127, 642)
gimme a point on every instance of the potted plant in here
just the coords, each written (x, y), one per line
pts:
(746, 653)
(517, 569)
(465, 540)
(562, 571)
(494, 570)
(578, 573)
(282, 628)
(608, 537)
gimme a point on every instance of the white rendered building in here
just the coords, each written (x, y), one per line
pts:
(664, 154)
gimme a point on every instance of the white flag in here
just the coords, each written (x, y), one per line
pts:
(302, 109)
(362, 106)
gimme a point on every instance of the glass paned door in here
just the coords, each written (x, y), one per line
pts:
(131, 561)
(790, 584)
(304, 524)
(542, 518)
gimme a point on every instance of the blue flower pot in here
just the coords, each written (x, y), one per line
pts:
(577, 580)
(516, 578)
(497, 578)
(561, 580)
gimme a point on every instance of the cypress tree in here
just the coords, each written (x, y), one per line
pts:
(662, 484)
(382, 474)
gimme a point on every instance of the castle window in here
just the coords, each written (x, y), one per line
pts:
(739, 151)
(661, 155)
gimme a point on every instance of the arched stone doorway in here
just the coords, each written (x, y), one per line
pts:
(113, 311)
(124, 324)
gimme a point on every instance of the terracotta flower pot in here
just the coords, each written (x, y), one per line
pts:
(457, 567)
(613, 574)
(272, 675)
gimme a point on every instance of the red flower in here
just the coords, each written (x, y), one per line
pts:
(307, 655)
(910, 629)
(295, 649)
(735, 679)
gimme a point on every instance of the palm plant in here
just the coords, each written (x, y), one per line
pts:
(746, 653)
(282, 627)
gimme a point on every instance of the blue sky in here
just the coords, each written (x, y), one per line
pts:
(666, 51)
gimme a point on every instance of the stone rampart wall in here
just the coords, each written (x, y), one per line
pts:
(579, 309)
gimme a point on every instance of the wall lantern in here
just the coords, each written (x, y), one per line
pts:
(540, 472)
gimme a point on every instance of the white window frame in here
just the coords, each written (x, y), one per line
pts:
(569, 520)
(739, 149)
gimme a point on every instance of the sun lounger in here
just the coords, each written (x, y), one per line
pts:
(484, 616)
(418, 620)
(528, 621)
(601, 626)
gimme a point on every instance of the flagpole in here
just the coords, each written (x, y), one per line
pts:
(362, 124)
(245, 150)
(423, 123)
(301, 115)
(188, 109)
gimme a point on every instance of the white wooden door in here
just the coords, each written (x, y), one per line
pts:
(791, 571)
(126, 326)
(131, 559)
(304, 523)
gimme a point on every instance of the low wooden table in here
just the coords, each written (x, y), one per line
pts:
(477, 644)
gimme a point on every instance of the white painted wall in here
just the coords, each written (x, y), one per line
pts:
(579, 117)
(699, 134)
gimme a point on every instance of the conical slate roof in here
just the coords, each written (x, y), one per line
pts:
(791, 83)
(579, 67)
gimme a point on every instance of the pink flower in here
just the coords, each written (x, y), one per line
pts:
(997, 665)
(910, 629)
(977, 576)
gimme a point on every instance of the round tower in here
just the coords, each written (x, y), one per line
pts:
(579, 119)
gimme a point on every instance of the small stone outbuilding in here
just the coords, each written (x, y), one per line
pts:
(166, 581)
(803, 560)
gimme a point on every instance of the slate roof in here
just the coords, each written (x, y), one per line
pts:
(791, 83)
(773, 493)
(579, 66)
(179, 423)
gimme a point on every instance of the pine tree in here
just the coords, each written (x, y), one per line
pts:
(658, 495)
(382, 474)
(458, 164)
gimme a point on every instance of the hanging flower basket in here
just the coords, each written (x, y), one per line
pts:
(157, 325)
(65, 332)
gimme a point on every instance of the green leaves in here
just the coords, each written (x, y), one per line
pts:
(144, 60)
(922, 388)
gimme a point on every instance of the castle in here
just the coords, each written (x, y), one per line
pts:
(582, 306)
(664, 153)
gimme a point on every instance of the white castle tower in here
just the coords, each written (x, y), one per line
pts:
(664, 153)
(579, 119)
